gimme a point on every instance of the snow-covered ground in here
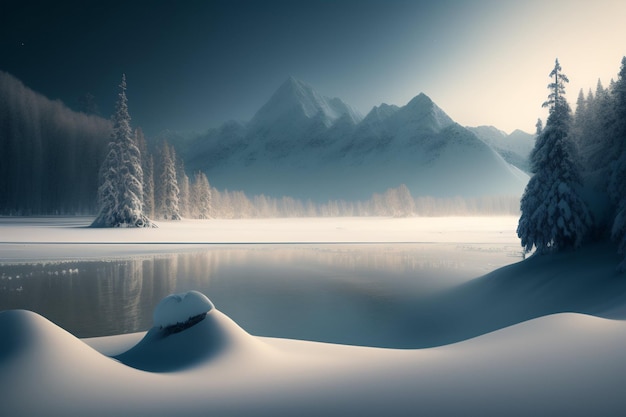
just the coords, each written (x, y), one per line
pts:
(542, 337)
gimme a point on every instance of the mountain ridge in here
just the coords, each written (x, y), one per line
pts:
(305, 145)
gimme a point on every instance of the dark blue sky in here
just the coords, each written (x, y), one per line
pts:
(191, 65)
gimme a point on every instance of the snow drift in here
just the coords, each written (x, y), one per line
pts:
(558, 365)
(567, 364)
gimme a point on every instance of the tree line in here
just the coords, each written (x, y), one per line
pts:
(395, 202)
(170, 194)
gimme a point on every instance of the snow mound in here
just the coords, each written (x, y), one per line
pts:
(37, 356)
(178, 309)
(188, 331)
(29, 337)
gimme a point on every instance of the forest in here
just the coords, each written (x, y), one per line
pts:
(49, 154)
(577, 194)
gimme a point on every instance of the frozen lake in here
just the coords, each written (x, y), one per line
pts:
(354, 292)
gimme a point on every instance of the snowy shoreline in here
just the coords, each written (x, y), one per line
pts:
(542, 337)
(24, 239)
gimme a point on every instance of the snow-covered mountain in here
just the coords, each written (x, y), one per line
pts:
(515, 148)
(305, 145)
(296, 101)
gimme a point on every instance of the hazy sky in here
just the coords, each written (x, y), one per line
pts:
(191, 65)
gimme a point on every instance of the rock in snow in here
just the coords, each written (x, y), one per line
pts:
(178, 309)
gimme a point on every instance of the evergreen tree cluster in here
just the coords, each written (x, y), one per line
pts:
(202, 201)
(170, 194)
(134, 189)
(394, 202)
(578, 190)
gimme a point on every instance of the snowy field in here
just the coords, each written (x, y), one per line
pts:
(542, 337)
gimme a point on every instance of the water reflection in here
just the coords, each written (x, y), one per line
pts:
(318, 292)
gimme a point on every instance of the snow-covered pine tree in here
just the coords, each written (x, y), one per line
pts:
(148, 186)
(184, 203)
(580, 120)
(617, 176)
(147, 166)
(201, 193)
(554, 216)
(194, 198)
(598, 140)
(107, 191)
(168, 205)
(617, 144)
(121, 191)
(183, 188)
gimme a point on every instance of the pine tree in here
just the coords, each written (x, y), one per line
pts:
(107, 192)
(617, 145)
(148, 186)
(602, 138)
(183, 188)
(147, 166)
(538, 127)
(617, 176)
(168, 205)
(201, 192)
(556, 98)
(580, 119)
(206, 201)
(554, 216)
(121, 177)
(184, 202)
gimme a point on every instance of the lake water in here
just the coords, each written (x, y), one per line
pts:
(344, 293)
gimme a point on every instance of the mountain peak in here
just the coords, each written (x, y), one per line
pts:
(422, 103)
(420, 99)
(422, 111)
(297, 99)
(291, 80)
(294, 86)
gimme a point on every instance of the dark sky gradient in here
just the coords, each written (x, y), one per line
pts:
(191, 65)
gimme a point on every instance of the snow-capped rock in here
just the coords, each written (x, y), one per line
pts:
(177, 309)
